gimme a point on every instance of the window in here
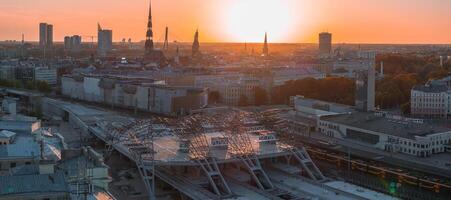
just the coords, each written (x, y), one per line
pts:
(12, 165)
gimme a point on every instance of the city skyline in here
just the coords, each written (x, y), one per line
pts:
(351, 21)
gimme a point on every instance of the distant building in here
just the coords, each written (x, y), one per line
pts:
(365, 83)
(7, 72)
(24, 73)
(48, 75)
(135, 93)
(72, 43)
(325, 44)
(432, 100)
(45, 35)
(388, 132)
(105, 40)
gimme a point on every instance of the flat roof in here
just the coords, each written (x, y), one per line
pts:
(385, 125)
(33, 184)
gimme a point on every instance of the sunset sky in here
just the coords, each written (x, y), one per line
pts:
(351, 21)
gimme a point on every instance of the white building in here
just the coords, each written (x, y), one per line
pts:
(388, 132)
(46, 74)
(432, 100)
(140, 94)
(231, 87)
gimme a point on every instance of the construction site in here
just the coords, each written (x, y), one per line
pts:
(220, 153)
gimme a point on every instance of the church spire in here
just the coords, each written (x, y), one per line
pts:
(149, 34)
(196, 43)
(265, 45)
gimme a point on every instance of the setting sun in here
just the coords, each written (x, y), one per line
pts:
(248, 20)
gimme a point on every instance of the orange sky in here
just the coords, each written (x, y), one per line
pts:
(351, 21)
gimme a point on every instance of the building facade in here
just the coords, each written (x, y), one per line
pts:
(45, 35)
(105, 41)
(325, 44)
(366, 82)
(139, 94)
(388, 132)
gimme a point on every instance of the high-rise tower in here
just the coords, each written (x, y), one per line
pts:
(325, 44)
(104, 40)
(45, 35)
(265, 46)
(196, 43)
(149, 35)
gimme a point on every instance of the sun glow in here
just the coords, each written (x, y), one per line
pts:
(248, 20)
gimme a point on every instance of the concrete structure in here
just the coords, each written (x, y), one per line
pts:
(231, 87)
(366, 83)
(432, 100)
(72, 43)
(7, 72)
(104, 40)
(46, 74)
(140, 94)
(325, 44)
(24, 73)
(45, 35)
(175, 152)
(388, 132)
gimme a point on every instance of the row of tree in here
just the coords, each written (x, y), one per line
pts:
(40, 86)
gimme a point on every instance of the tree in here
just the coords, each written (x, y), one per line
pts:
(43, 86)
(405, 108)
(243, 101)
(260, 96)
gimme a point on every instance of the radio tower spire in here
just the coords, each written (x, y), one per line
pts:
(149, 35)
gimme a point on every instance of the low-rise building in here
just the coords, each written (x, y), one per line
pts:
(388, 132)
(135, 93)
(46, 74)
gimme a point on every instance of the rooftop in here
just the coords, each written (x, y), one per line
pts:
(32, 184)
(396, 126)
(23, 147)
(431, 88)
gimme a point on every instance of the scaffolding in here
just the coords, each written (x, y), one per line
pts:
(199, 151)
(241, 148)
(138, 137)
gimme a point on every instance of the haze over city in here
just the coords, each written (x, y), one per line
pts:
(287, 21)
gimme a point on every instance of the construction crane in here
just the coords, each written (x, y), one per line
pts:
(92, 39)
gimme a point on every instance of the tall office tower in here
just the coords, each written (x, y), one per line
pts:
(196, 44)
(149, 34)
(75, 41)
(42, 35)
(49, 41)
(166, 39)
(68, 42)
(265, 46)
(325, 44)
(365, 82)
(104, 40)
